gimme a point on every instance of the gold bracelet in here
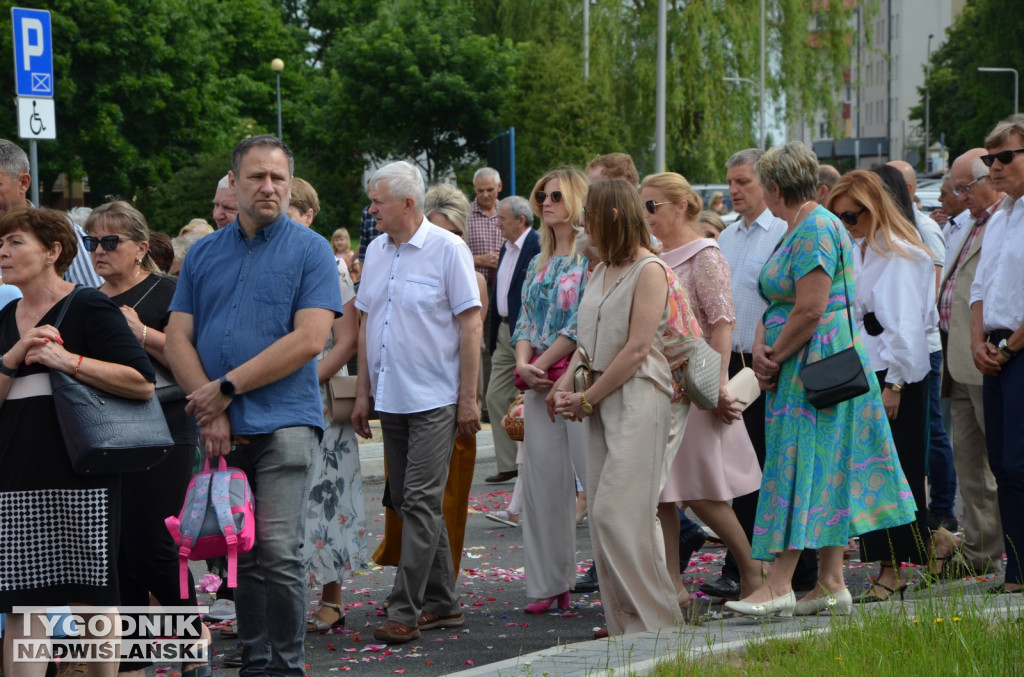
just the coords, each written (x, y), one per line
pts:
(144, 330)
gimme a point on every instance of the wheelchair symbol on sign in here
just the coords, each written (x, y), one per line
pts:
(35, 122)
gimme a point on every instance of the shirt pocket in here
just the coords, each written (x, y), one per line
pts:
(274, 286)
(421, 293)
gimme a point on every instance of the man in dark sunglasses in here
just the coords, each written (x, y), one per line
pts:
(997, 335)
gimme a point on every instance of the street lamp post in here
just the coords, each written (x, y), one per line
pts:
(277, 65)
(760, 91)
(984, 69)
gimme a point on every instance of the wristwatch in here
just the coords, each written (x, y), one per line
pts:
(588, 408)
(895, 387)
(1004, 348)
(5, 370)
(227, 387)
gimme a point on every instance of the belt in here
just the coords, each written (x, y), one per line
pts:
(504, 319)
(997, 335)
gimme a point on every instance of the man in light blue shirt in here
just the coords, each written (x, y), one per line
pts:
(419, 356)
(747, 245)
(253, 307)
(8, 292)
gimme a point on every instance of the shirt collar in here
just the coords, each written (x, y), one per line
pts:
(474, 207)
(763, 219)
(419, 237)
(518, 244)
(268, 231)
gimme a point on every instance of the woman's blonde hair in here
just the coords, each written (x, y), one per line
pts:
(615, 220)
(887, 221)
(677, 190)
(451, 203)
(793, 169)
(121, 217)
(573, 186)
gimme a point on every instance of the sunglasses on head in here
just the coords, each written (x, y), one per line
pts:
(108, 242)
(1004, 156)
(651, 206)
(850, 218)
(556, 196)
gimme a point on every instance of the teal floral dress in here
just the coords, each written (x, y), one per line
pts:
(832, 473)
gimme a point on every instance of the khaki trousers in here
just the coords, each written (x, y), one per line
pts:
(982, 528)
(628, 442)
(501, 390)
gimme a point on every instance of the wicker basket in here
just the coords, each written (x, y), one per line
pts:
(512, 422)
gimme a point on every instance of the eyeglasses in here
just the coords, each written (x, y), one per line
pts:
(109, 242)
(850, 218)
(540, 195)
(651, 206)
(963, 190)
(1004, 156)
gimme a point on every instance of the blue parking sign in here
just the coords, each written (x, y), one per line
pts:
(33, 52)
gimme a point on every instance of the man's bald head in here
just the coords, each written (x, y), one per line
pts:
(909, 174)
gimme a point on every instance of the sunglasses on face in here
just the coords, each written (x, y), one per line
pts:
(850, 218)
(1005, 157)
(109, 242)
(556, 196)
(963, 190)
(651, 206)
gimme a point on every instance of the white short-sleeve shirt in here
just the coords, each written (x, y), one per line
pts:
(412, 295)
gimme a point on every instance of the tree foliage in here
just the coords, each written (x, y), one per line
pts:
(965, 104)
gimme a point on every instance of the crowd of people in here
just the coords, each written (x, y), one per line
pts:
(452, 306)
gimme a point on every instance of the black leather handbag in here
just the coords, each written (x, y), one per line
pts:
(103, 433)
(838, 377)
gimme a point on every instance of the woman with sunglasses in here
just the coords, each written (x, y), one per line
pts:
(63, 547)
(544, 338)
(117, 237)
(715, 462)
(829, 473)
(628, 410)
(894, 308)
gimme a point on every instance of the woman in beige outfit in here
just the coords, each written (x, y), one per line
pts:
(622, 318)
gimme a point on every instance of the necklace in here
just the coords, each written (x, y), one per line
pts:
(796, 219)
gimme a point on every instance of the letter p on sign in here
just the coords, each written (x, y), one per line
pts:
(32, 43)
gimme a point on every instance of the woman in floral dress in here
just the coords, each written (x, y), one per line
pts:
(829, 473)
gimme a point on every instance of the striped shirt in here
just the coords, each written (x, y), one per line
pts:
(81, 270)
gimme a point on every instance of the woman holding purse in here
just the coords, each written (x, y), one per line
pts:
(545, 336)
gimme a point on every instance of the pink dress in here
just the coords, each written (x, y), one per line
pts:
(715, 461)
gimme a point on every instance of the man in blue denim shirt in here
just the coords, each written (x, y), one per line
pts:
(253, 308)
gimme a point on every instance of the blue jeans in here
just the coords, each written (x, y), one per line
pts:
(941, 472)
(271, 599)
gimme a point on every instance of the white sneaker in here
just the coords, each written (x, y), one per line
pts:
(222, 610)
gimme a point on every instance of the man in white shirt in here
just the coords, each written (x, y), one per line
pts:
(521, 244)
(982, 551)
(419, 351)
(747, 245)
(997, 334)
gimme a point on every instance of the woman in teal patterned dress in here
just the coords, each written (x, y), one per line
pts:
(829, 473)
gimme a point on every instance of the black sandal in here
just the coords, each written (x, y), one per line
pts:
(871, 597)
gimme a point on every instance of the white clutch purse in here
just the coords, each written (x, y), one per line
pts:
(743, 386)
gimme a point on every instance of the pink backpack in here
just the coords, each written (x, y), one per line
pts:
(217, 519)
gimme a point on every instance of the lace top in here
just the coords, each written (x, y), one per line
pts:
(704, 272)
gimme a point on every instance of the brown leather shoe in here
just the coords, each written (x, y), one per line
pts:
(502, 477)
(394, 632)
(429, 621)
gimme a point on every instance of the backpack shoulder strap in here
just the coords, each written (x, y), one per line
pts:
(220, 494)
(192, 523)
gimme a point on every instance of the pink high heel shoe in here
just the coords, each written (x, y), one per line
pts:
(543, 605)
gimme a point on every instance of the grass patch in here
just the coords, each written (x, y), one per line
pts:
(935, 636)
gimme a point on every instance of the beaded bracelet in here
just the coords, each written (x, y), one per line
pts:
(144, 330)
(78, 366)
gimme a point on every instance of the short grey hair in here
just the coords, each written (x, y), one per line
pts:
(1001, 133)
(403, 180)
(978, 168)
(13, 161)
(79, 215)
(487, 173)
(224, 183)
(519, 208)
(748, 156)
(793, 168)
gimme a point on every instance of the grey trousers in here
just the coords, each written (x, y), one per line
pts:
(418, 450)
(500, 392)
(983, 531)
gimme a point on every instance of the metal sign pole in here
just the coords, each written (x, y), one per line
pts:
(33, 158)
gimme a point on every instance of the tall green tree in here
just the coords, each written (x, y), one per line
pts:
(415, 83)
(966, 105)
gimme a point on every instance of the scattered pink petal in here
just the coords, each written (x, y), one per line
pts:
(209, 583)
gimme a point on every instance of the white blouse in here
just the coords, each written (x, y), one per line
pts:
(900, 291)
